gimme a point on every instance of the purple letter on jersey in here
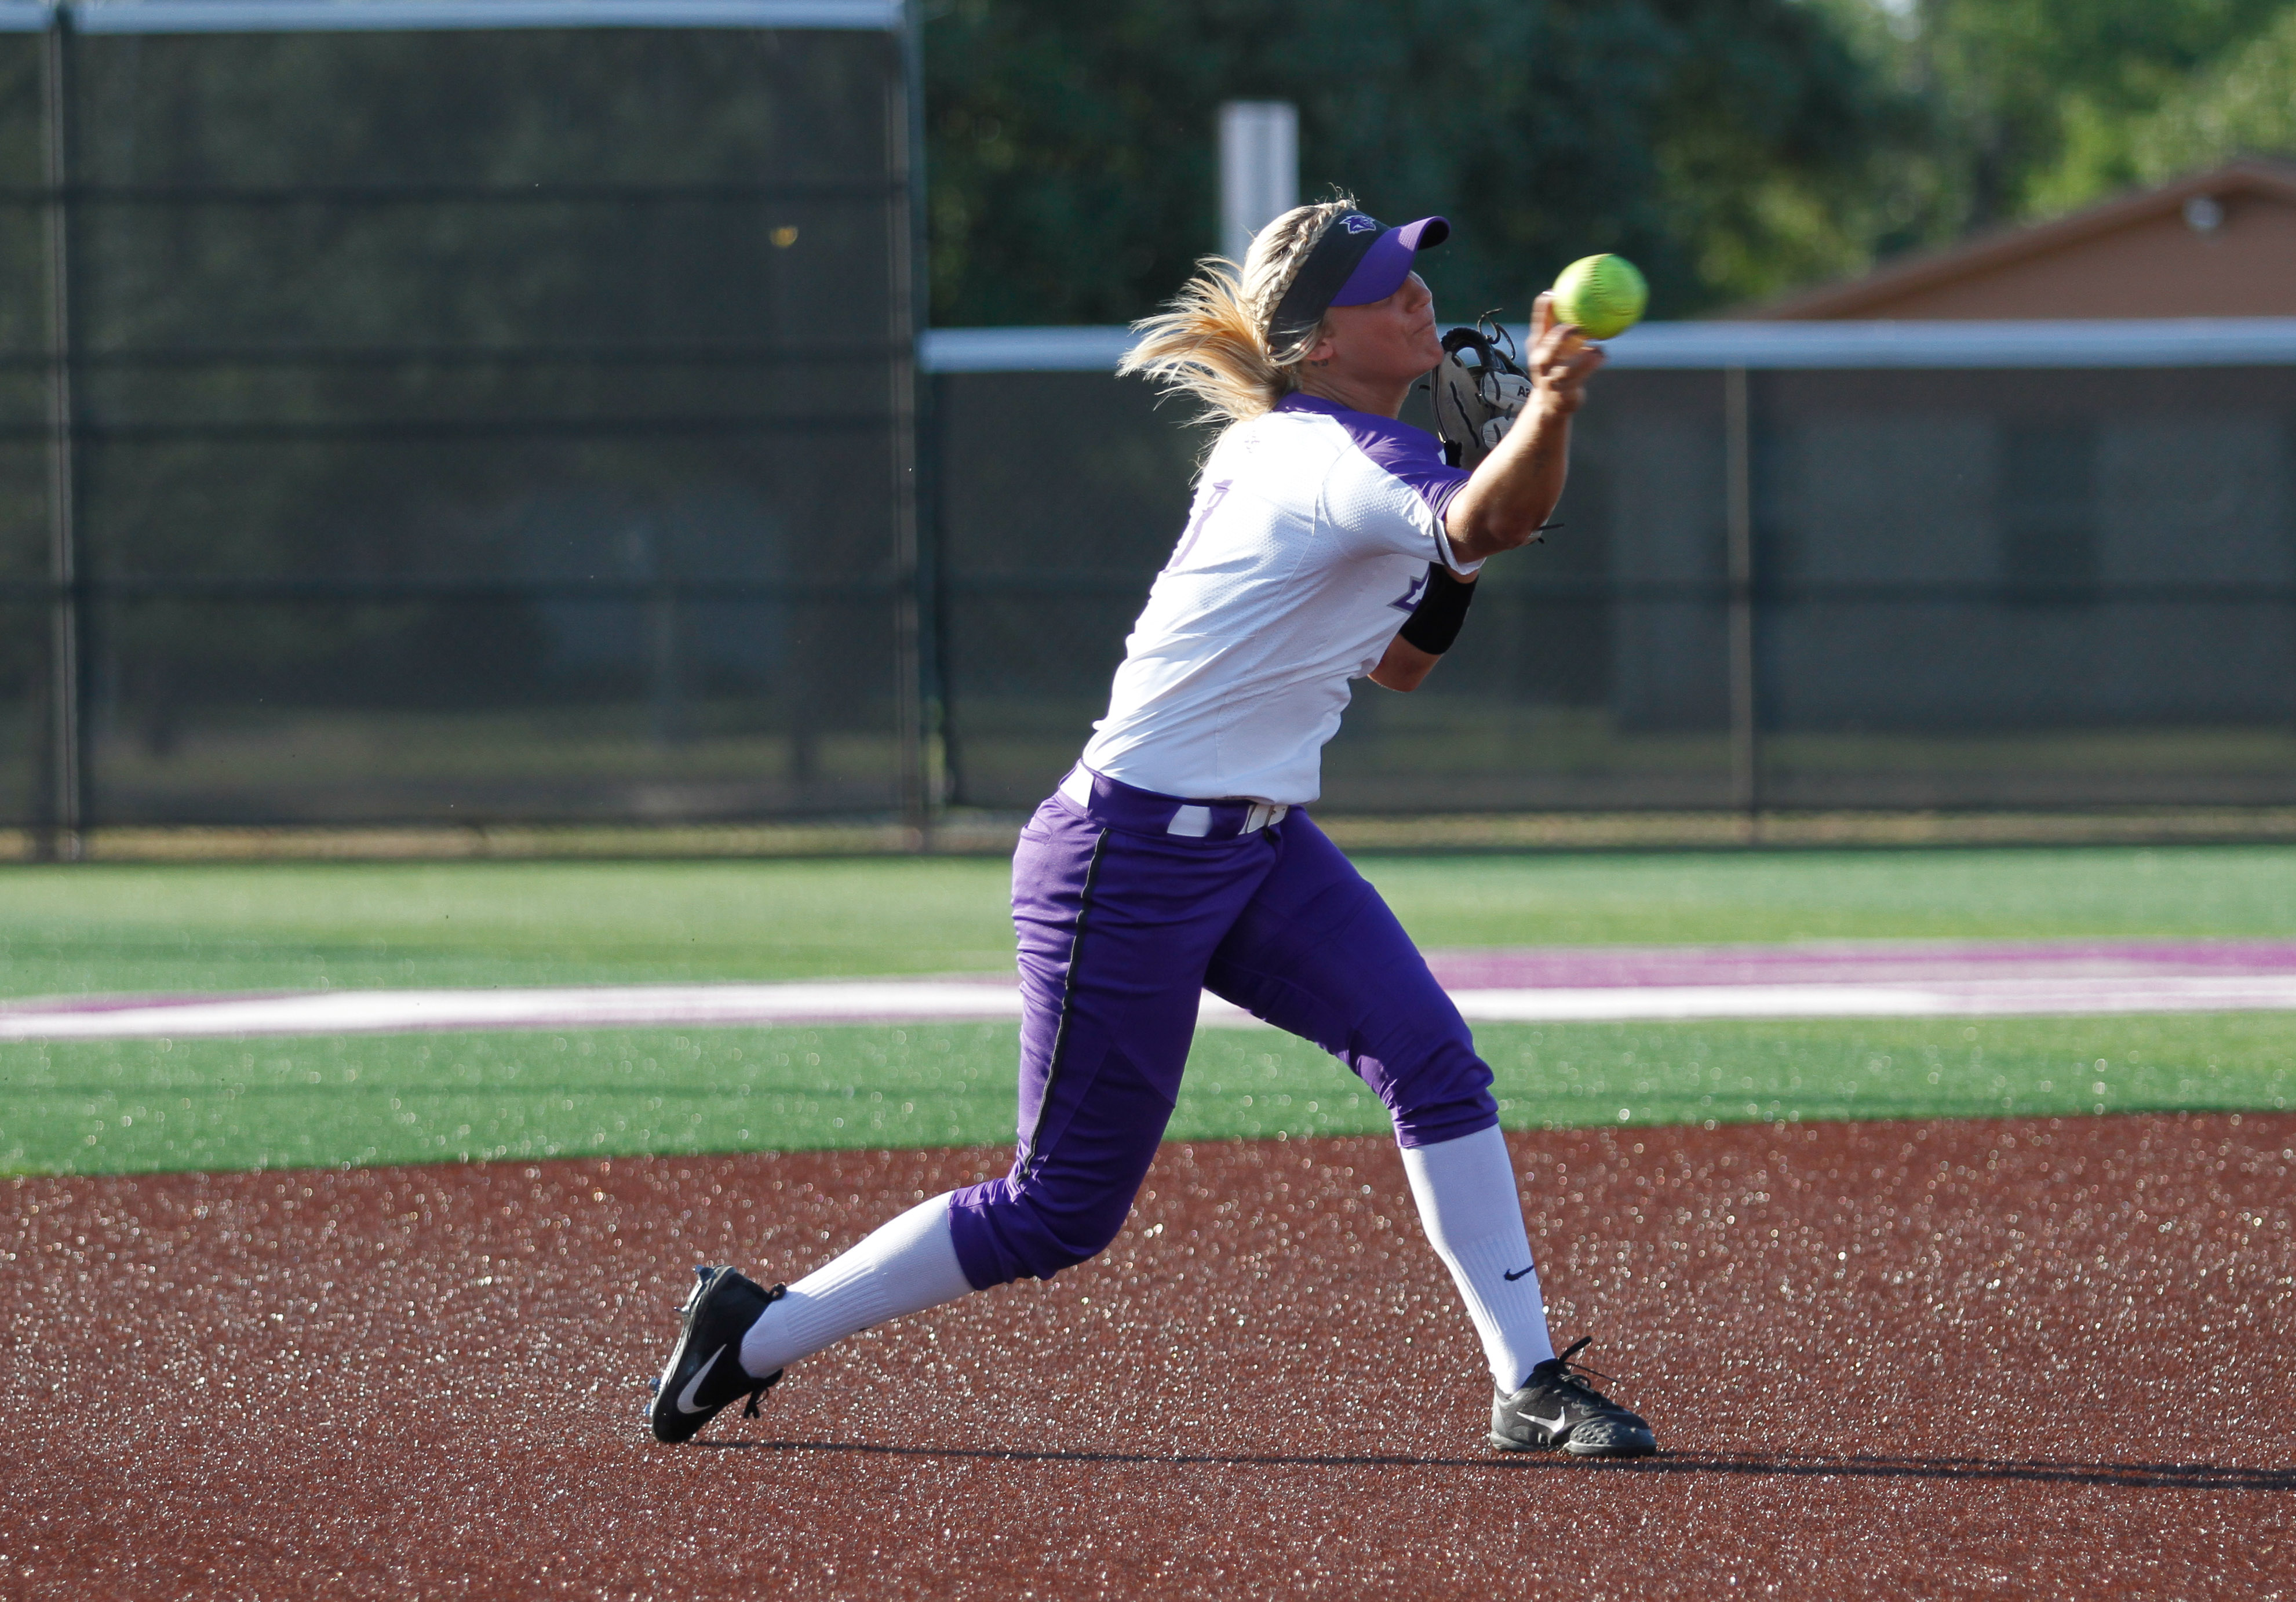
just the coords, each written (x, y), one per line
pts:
(1121, 923)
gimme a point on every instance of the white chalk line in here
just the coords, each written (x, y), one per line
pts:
(955, 1001)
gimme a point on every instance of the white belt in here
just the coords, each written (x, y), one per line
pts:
(1195, 821)
(1190, 819)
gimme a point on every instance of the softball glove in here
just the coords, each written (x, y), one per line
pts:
(1479, 391)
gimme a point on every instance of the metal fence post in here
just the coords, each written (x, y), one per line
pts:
(913, 697)
(1745, 728)
(944, 751)
(62, 788)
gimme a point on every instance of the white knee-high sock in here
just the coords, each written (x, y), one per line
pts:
(908, 1266)
(1467, 1201)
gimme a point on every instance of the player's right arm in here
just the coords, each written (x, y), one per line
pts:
(1515, 489)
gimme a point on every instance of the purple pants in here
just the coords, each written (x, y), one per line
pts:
(1121, 923)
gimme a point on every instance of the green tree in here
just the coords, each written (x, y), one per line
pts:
(2245, 103)
(1725, 145)
(2035, 106)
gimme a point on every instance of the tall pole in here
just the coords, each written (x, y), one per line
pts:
(58, 837)
(912, 700)
(1745, 736)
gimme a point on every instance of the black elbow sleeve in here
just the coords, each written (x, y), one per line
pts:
(1434, 622)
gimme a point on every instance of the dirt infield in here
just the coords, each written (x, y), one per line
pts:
(2004, 1359)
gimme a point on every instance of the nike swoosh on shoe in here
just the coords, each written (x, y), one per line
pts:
(685, 1397)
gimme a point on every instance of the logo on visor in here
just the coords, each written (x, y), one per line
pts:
(1358, 223)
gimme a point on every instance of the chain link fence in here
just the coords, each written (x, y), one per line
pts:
(438, 411)
(1810, 567)
(501, 419)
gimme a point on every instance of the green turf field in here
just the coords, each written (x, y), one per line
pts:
(111, 1107)
(300, 925)
(142, 1104)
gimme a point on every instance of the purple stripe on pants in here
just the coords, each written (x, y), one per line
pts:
(1120, 926)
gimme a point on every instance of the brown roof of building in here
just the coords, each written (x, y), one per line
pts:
(2141, 255)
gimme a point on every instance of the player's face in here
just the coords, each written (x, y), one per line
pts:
(1386, 342)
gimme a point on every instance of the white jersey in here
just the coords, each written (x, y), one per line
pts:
(1307, 549)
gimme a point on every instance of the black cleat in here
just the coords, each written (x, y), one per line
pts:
(705, 1372)
(1557, 1411)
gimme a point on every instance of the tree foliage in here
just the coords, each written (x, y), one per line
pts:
(1728, 146)
(2031, 107)
(2245, 103)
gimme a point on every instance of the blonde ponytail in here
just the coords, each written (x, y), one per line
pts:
(1211, 341)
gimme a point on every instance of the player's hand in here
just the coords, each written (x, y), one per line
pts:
(1561, 361)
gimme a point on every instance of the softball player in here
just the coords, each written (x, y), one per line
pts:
(1328, 542)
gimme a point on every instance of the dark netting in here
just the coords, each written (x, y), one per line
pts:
(24, 393)
(23, 676)
(515, 425)
(2026, 588)
(1967, 589)
(484, 424)
(519, 705)
(23, 515)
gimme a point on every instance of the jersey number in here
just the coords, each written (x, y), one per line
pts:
(1213, 496)
(1409, 600)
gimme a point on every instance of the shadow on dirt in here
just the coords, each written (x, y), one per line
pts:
(2164, 1476)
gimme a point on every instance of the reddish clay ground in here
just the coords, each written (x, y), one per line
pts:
(2034, 1359)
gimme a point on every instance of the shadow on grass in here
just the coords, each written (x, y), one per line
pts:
(2163, 1476)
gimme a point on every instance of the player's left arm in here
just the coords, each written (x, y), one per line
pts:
(1433, 624)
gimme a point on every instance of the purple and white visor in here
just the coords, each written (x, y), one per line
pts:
(1356, 261)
